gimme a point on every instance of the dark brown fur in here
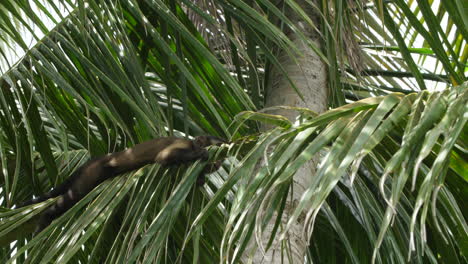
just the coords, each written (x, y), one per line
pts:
(166, 151)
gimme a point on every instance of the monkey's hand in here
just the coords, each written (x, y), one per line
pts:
(209, 168)
(212, 167)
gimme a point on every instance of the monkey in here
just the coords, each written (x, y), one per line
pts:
(167, 151)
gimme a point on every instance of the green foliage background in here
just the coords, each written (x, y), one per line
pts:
(84, 78)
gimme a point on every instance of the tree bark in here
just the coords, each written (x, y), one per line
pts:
(308, 72)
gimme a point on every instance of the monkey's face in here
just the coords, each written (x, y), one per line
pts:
(205, 141)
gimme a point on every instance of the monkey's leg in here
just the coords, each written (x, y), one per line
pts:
(63, 203)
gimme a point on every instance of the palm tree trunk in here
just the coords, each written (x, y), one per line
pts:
(308, 72)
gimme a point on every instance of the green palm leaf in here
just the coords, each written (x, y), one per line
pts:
(85, 78)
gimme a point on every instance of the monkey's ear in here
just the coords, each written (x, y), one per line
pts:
(205, 141)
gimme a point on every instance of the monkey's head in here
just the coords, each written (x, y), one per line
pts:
(205, 141)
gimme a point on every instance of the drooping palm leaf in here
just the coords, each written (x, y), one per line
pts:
(358, 134)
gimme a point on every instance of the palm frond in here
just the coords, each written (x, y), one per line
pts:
(357, 140)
